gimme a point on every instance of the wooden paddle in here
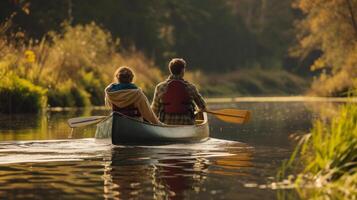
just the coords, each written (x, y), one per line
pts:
(231, 115)
(84, 121)
(228, 115)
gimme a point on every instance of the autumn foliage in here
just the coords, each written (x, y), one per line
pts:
(331, 28)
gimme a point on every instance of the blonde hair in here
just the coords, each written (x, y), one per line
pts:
(124, 75)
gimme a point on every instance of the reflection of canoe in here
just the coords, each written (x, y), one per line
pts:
(124, 130)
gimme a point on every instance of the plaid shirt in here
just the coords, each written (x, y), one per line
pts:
(176, 119)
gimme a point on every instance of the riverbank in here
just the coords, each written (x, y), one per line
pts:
(276, 99)
(325, 160)
(69, 68)
(251, 82)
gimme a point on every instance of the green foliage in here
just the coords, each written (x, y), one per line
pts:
(88, 56)
(328, 156)
(68, 95)
(20, 96)
(93, 84)
(78, 48)
(80, 96)
(332, 148)
(75, 64)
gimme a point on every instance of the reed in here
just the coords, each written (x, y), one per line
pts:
(327, 158)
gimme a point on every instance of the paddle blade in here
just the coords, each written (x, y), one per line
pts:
(84, 121)
(236, 120)
(232, 115)
(231, 111)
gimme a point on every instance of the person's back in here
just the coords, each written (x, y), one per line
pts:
(126, 98)
(175, 99)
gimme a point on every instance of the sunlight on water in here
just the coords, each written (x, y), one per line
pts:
(38, 161)
(50, 150)
(79, 149)
(123, 171)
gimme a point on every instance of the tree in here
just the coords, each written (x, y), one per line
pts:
(213, 35)
(272, 24)
(35, 17)
(330, 26)
(210, 36)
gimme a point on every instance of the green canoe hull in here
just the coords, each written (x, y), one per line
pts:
(125, 130)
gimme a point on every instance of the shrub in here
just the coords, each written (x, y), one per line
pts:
(88, 56)
(68, 95)
(94, 84)
(75, 64)
(80, 96)
(334, 85)
(20, 96)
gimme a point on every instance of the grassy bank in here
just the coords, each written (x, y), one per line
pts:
(67, 68)
(250, 82)
(20, 95)
(326, 159)
(71, 68)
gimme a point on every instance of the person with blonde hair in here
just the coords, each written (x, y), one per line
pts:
(125, 97)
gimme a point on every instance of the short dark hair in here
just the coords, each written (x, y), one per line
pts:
(176, 65)
(124, 75)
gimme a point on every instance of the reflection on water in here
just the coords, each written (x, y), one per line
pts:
(90, 168)
(39, 161)
(44, 126)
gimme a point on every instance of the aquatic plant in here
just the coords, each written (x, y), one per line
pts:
(327, 158)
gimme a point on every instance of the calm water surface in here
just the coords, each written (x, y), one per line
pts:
(41, 158)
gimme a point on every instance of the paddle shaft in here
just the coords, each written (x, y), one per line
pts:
(84, 121)
(228, 115)
(89, 120)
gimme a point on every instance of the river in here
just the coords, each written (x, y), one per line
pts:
(42, 158)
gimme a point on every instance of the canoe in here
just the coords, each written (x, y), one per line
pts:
(126, 130)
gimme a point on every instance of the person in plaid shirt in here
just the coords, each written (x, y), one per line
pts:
(175, 99)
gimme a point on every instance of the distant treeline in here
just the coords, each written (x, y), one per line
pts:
(213, 35)
(64, 52)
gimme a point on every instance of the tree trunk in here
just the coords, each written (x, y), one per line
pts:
(69, 12)
(350, 9)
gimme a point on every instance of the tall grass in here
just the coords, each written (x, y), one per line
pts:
(73, 65)
(328, 158)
